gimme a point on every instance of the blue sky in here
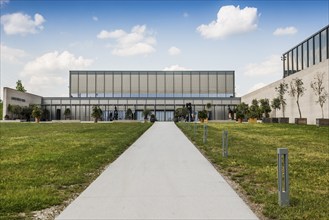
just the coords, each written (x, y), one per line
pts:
(42, 40)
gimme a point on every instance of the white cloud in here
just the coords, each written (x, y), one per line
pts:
(138, 41)
(256, 86)
(269, 67)
(11, 55)
(95, 18)
(285, 31)
(175, 67)
(48, 74)
(174, 51)
(230, 21)
(18, 23)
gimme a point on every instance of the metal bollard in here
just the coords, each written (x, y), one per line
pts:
(194, 131)
(283, 184)
(205, 133)
(225, 143)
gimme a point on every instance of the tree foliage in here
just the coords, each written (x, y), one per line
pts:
(297, 90)
(265, 107)
(276, 104)
(281, 90)
(96, 113)
(319, 90)
(241, 110)
(19, 86)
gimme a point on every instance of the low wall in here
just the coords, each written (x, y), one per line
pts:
(309, 108)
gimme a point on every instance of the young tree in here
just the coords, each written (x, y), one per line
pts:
(265, 107)
(96, 113)
(36, 113)
(281, 90)
(19, 86)
(319, 90)
(254, 110)
(297, 90)
(275, 104)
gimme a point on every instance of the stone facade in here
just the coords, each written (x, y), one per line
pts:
(309, 108)
(14, 97)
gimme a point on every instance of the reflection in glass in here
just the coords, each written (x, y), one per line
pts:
(316, 48)
(324, 46)
(305, 55)
(310, 52)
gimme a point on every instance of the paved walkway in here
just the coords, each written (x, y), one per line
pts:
(161, 176)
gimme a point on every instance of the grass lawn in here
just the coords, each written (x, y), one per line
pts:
(252, 164)
(42, 165)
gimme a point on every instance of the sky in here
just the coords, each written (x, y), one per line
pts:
(41, 40)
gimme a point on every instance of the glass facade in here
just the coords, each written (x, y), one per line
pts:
(308, 53)
(169, 84)
(160, 91)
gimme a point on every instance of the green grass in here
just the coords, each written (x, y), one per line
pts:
(42, 165)
(252, 164)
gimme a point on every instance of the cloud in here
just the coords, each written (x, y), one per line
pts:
(48, 74)
(23, 24)
(185, 15)
(230, 21)
(11, 55)
(174, 51)
(138, 41)
(95, 18)
(285, 31)
(256, 86)
(175, 67)
(270, 66)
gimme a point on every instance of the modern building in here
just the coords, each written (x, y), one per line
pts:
(304, 61)
(160, 91)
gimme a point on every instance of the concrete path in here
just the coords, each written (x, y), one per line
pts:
(161, 176)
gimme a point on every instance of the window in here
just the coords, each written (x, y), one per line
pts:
(108, 84)
(82, 85)
(178, 84)
(229, 85)
(310, 52)
(74, 85)
(294, 60)
(160, 84)
(169, 84)
(91, 84)
(212, 85)
(195, 84)
(186, 84)
(100, 85)
(305, 55)
(125, 84)
(134, 84)
(221, 85)
(152, 84)
(204, 84)
(316, 48)
(143, 84)
(324, 46)
(299, 58)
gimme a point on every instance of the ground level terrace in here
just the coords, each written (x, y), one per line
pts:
(163, 109)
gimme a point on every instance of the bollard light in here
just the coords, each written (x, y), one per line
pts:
(283, 177)
(225, 143)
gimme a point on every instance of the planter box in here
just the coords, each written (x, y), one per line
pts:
(284, 120)
(252, 120)
(274, 120)
(322, 121)
(266, 120)
(301, 121)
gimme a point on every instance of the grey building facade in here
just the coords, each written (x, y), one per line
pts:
(160, 91)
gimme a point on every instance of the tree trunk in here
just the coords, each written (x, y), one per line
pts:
(300, 114)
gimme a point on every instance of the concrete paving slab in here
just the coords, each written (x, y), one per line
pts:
(161, 176)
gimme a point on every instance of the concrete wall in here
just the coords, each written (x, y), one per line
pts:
(309, 108)
(14, 97)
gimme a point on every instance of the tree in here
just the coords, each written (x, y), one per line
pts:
(67, 113)
(129, 114)
(146, 112)
(19, 86)
(265, 107)
(275, 104)
(254, 110)
(36, 113)
(319, 90)
(181, 112)
(241, 110)
(281, 90)
(96, 113)
(297, 90)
